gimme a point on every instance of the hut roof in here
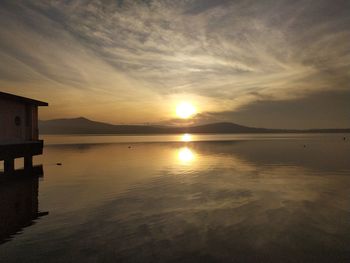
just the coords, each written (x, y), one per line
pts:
(25, 100)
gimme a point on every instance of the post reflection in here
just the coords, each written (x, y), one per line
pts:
(19, 205)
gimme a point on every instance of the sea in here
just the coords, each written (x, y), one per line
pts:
(181, 198)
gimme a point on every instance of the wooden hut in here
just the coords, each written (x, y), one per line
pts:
(19, 133)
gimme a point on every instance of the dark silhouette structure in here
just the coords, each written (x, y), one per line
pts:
(19, 133)
(19, 205)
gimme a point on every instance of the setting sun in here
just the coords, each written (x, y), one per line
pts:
(185, 110)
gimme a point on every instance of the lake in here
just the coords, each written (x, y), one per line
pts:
(182, 198)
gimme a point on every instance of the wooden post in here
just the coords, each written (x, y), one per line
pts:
(9, 166)
(28, 162)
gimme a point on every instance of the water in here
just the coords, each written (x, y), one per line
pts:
(171, 198)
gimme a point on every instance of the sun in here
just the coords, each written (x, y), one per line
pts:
(185, 110)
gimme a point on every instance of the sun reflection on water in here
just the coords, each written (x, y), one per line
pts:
(186, 155)
(186, 137)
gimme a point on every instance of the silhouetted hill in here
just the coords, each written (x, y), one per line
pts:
(226, 127)
(85, 126)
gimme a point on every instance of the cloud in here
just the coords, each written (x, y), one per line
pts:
(230, 53)
(326, 109)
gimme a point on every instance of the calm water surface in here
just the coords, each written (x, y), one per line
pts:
(188, 198)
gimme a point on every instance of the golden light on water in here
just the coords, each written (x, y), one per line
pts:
(185, 110)
(186, 155)
(186, 137)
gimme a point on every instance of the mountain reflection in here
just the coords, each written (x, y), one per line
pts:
(18, 202)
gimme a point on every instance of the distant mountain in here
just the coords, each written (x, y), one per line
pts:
(85, 126)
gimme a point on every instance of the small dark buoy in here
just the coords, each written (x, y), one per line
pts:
(344, 138)
(58, 163)
(304, 146)
(129, 147)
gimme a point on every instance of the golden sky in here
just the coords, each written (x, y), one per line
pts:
(278, 64)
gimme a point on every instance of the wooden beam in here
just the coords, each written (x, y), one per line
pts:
(28, 162)
(18, 150)
(9, 166)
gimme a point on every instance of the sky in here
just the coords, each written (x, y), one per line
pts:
(266, 63)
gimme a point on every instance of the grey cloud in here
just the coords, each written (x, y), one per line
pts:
(200, 6)
(317, 110)
(239, 51)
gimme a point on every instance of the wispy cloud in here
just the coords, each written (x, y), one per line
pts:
(227, 54)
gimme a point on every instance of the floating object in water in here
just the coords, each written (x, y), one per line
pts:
(344, 138)
(58, 163)
(304, 146)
